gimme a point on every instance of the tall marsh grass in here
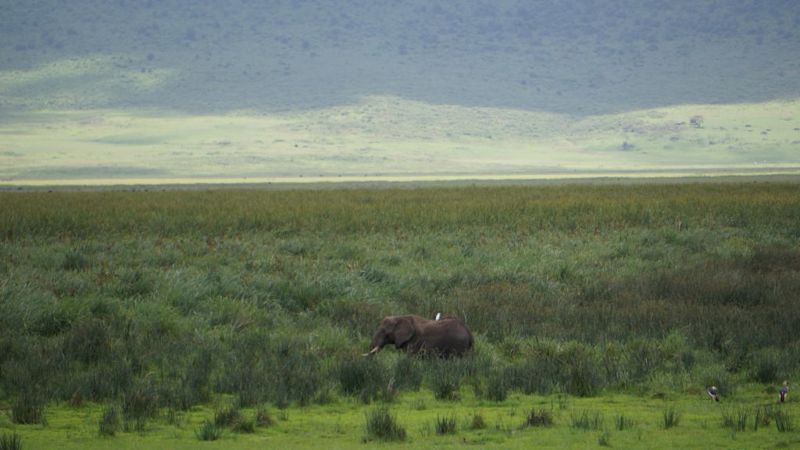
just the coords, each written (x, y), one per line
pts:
(164, 299)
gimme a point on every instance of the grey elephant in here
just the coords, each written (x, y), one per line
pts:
(445, 337)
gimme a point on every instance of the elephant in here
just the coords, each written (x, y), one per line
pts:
(445, 337)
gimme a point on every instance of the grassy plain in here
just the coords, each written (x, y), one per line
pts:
(384, 137)
(611, 299)
(341, 425)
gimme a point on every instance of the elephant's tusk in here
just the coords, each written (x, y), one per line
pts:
(372, 352)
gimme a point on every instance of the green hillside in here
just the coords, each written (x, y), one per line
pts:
(389, 87)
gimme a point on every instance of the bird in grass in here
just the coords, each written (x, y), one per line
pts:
(713, 393)
(784, 391)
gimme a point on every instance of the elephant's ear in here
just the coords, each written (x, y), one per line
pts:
(403, 332)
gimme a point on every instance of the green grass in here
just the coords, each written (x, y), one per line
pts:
(601, 301)
(342, 425)
(422, 140)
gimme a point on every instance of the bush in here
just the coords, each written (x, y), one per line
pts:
(381, 425)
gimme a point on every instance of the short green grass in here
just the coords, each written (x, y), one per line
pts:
(342, 424)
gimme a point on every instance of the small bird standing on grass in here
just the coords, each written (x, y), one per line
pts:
(784, 391)
(713, 393)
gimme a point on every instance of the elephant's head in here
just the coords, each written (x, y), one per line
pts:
(397, 330)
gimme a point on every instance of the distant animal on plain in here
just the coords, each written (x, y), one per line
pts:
(713, 392)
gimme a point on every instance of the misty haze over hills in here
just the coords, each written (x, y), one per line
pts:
(575, 57)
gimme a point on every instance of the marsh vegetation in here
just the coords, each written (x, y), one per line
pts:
(168, 301)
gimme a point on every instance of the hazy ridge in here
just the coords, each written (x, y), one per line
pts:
(577, 57)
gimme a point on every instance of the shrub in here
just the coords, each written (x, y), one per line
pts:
(208, 431)
(445, 425)
(10, 441)
(381, 425)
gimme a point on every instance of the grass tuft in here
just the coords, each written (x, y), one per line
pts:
(382, 426)
(446, 425)
(10, 441)
(109, 422)
(28, 409)
(623, 423)
(477, 422)
(783, 421)
(538, 418)
(671, 418)
(587, 420)
(208, 431)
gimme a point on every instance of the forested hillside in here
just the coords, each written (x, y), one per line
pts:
(577, 57)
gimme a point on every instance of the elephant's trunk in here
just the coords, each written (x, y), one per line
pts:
(372, 352)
